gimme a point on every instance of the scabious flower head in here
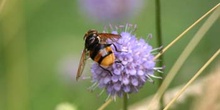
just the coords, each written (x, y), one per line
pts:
(110, 10)
(134, 64)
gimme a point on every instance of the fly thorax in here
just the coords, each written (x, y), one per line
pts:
(91, 41)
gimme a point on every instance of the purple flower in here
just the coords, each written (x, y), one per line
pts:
(136, 65)
(110, 10)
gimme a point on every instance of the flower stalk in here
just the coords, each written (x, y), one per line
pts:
(159, 41)
(125, 101)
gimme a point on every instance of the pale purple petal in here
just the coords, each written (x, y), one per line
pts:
(134, 65)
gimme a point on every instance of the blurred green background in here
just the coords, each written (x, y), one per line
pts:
(41, 43)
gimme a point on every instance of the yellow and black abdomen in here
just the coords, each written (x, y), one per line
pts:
(103, 55)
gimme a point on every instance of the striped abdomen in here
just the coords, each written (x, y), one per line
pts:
(103, 55)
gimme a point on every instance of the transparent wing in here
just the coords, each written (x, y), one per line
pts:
(81, 64)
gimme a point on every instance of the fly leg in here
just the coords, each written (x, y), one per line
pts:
(106, 70)
(117, 48)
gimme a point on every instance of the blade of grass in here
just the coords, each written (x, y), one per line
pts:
(192, 79)
(186, 52)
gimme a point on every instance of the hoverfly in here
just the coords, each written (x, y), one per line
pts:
(97, 49)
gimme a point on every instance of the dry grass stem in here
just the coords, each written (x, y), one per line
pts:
(184, 55)
(105, 104)
(196, 89)
(185, 31)
(210, 97)
(2, 4)
(192, 79)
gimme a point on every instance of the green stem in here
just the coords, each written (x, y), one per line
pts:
(125, 101)
(159, 41)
